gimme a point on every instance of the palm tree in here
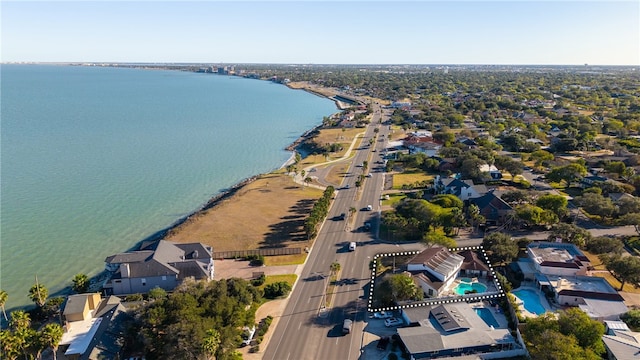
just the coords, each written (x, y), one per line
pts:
(51, 335)
(334, 267)
(80, 283)
(19, 320)
(211, 343)
(38, 294)
(3, 300)
(308, 180)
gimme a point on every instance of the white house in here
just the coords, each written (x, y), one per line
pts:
(437, 265)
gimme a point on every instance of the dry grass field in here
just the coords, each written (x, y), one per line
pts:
(601, 271)
(269, 212)
(410, 177)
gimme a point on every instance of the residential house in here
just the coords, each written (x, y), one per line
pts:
(561, 269)
(492, 170)
(94, 327)
(472, 265)
(422, 142)
(591, 180)
(454, 330)
(495, 210)
(463, 189)
(622, 345)
(161, 264)
(435, 269)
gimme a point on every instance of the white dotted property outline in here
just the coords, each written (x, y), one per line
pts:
(435, 301)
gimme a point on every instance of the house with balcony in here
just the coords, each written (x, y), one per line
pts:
(435, 269)
(161, 264)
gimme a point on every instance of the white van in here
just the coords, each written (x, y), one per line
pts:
(352, 246)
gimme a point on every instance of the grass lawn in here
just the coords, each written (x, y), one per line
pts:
(410, 177)
(394, 198)
(597, 265)
(271, 279)
(285, 259)
(342, 136)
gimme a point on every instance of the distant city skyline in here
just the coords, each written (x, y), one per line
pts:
(324, 32)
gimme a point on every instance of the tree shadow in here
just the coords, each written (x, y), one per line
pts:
(291, 228)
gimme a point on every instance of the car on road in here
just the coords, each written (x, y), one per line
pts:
(369, 175)
(346, 186)
(369, 208)
(392, 322)
(382, 315)
(367, 225)
(346, 326)
(352, 246)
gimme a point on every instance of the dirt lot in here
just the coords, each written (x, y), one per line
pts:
(266, 213)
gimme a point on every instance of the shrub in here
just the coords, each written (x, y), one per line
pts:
(276, 290)
(259, 281)
(134, 297)
(255, 349)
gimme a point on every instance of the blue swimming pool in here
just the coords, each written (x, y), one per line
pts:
(463, 287)
(530, 300)
(485, 314)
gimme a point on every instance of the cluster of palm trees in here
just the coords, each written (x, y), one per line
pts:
(19, 338)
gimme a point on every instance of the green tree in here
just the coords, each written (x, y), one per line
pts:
(500, 248)
(632, 319)
(435, 238)
(535, 215)
(157, 293)
(569, 173)
(38, 294)
(570, 233)
(556, 203)
(3, 300)
(80, 283)
(403, 288)
(631, 219)
(604, 245)
(334, 267)
(447, 201)
(211, 343)
(596, 204)
(625, 269)
(51, 336)
(588, 332)
(541, 156)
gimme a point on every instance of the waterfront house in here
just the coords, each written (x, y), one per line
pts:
(161, 264)
(94, 328)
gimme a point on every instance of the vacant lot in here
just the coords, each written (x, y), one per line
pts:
(410, 177)
(266, 213)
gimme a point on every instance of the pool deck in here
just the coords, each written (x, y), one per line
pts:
(496, 312)
(541, 299)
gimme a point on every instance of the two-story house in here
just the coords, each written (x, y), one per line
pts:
(161, 264)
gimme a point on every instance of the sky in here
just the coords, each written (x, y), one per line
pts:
(323, 32)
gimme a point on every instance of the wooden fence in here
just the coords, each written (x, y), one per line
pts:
(264, 252)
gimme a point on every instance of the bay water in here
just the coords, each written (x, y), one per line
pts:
(95, 159)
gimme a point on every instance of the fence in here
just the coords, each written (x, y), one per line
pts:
(264, 252)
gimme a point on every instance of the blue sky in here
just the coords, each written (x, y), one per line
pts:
(324, 32)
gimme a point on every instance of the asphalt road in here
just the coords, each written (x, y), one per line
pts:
(307, 330)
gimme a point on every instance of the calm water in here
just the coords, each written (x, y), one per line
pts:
(96, 159)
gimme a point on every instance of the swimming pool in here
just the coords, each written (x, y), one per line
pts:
(485, 314)
(463, 287)
(530, 300)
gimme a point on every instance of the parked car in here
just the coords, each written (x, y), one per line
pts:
(392, 322)
(247, 335)
(369, 175)
(382, 315)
